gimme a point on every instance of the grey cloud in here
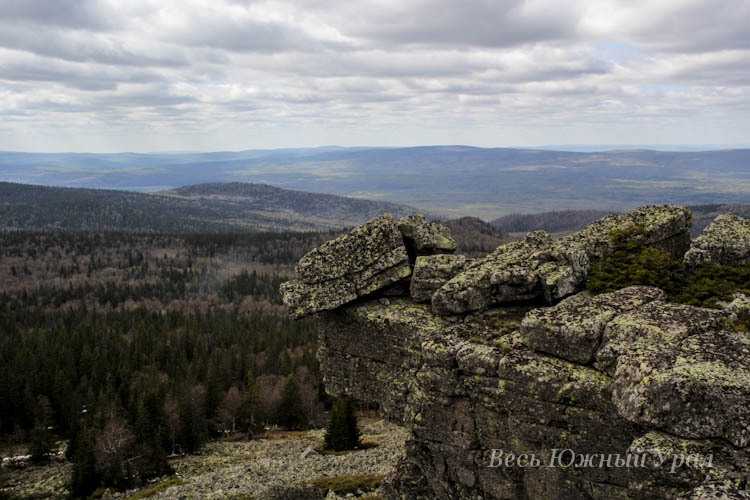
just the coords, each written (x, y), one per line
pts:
(85, 47)
(478, 23)
(78, 76)
(80, 14)
(696, 27)
(247, 35)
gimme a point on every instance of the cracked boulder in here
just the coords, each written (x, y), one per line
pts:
(573, 328)
(511, 273)
(433, 271)
(651, 325)
(676, 370)
(725, 241)
(425, 238)
(369, 258)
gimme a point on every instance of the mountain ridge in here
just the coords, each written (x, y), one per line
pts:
(450, 180)
(25, 206)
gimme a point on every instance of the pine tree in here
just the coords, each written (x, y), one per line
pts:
(84, 479)
(291, 412)
(41, 436)
(342, 432)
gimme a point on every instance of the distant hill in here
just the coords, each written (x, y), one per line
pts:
(552, 222)
(704, 214)
(234, 207)
(453, 181)
(475, 237)
(573, 220)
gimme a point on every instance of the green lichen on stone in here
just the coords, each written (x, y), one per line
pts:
(725, 241)
(433, 271)
(427, 238)
(573, 328)
(538, 267)
(369, 258)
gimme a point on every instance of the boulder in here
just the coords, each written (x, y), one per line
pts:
(510, 273)
(725, 241)
(573, 328)
(676, 370)
(369, 258)
(654, 324)
(538, 267)
(699, 388)
(665, 227)
(433, 271)
(425, 238)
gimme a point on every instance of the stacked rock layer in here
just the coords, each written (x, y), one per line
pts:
(618, 396)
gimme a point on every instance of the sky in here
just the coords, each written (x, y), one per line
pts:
(208, 75)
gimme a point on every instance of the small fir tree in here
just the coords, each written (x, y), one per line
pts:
(342, 432)
(291, 412)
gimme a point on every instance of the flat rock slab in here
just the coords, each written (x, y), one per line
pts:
(573, 328)
(725, 241)
(369, 258)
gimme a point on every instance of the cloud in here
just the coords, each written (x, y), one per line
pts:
(246, 72)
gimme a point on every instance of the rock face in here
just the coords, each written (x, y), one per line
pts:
(618, 396)
(573, 329)
(725, 241)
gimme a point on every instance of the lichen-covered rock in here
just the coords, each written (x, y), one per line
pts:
(674, 463)
(537, 267)
(740, 304)
(573, 328)
(596, 376)
(369, 258)
(725, 241)
(675, 370)
(656, 324)
(425, 238)
(716, 491)
(433, 271)
(659, 226)
(510, 273)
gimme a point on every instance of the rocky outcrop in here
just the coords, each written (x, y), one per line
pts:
(618, 396)
(725, 241)
(368, 259)
(538, 267)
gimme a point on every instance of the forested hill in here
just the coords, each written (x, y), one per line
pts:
(233, 207)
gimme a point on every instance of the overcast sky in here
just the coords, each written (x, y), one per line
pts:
(142, 75)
